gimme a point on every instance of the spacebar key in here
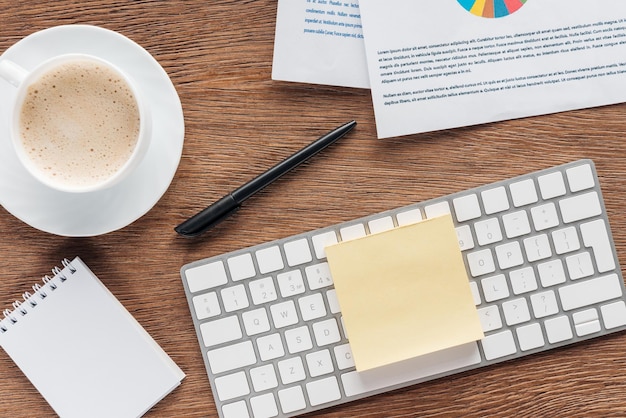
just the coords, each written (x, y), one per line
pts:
(410, 371)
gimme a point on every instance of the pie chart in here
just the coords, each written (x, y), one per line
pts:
(492, 8)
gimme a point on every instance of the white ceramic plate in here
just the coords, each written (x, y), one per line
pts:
(100, 212)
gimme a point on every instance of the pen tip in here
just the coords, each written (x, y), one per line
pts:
(348, 126)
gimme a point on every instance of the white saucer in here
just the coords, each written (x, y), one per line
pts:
(94, 213)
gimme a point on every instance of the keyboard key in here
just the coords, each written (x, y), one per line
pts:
(269, 259)
(544, 304)
(318, 276)
(614, 314)
(206, 305)
(516, 224)
(523, 193)
(551, 273)
(490, 318)
(291, 399)
(284, 314)
(206, 276)
(241, 267)
(270, 347)
(231, 357)
(348, 233)
(409, 217)
(220, 331)
(596, 236)
(488, 232)
(475, 293)
(558, 329)
(495, 288)
(544, 216)
(312, 307)
(591, 291)
(323, 391)
(498, 345)
(333, 302)
(343, 355)
(579, 266)
(580, 178)
(516, 311)
(291, 370)
(343, 327)
(495, 200)
(523, 280)
(586, 322)
(442, 361)
(264, 406)
(437, 209)
(290, 283)
(256, 321)
(298, 252)
(298, 339)
(466, 207)
(537, 247)
(319, 363)
(580, 207)
(464, 234)
(321, 241)
(235, 298)
(235, 410)
(262, 290)
(326, 332)
(509, 255)
(481, 262)
(551, 185)
(530, 337)
(565, 240)
(381, 225)
(232, 386)
(263, 378)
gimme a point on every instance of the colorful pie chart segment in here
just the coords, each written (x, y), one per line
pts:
(492, 8)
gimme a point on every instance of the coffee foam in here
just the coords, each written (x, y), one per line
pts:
(79, 123)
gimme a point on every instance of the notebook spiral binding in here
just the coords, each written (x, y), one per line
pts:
(20, 306)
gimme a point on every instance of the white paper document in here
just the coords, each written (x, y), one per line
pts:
(320, 42)
(452, 63)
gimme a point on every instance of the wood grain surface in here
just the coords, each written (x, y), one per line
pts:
(239, 122)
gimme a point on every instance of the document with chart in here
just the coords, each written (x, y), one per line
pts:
(455, 63)
(320, 42)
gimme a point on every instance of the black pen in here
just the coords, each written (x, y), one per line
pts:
(228, 204)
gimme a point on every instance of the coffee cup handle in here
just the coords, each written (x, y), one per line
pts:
(12, 72)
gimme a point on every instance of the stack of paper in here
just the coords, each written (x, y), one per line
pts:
(439, 65)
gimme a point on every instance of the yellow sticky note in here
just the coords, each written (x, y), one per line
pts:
(404, 293)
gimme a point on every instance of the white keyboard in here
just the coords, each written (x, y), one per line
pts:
(541, 264)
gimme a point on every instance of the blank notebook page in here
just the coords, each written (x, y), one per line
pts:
(84, 351)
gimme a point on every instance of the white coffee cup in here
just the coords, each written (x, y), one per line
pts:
(78, 123)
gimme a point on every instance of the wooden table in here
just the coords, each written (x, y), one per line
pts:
(239, 122)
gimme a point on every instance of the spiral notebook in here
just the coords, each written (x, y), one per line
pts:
(82, 350)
